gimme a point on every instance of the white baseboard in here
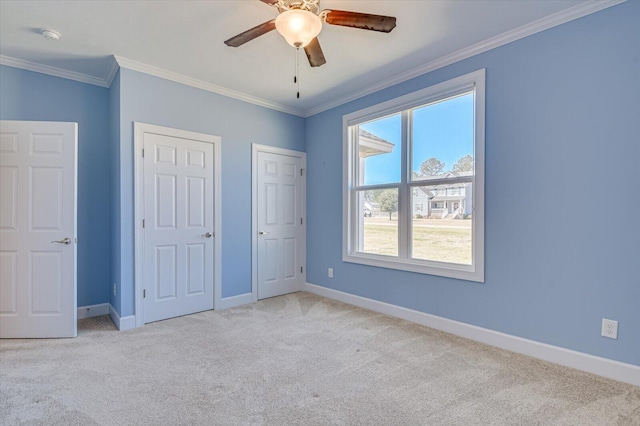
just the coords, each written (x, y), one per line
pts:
(91, 311)
(128, 322)
(124, 323)
(623, 372)
(233, 301)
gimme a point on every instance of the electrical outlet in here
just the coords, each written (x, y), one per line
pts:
(609, 328)
(115, 289)
(330, 272)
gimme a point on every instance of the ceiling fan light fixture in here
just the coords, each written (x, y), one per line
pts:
(298, 26)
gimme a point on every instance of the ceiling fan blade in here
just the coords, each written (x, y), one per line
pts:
(314, 53)
(364, 21)
(252, 33)
(269, 2)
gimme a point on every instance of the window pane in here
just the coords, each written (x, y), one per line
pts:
(378, 221)
(442, 223)
(443, 139)
(379, 151)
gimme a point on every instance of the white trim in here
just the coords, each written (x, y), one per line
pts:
(233, 301)
(351, 215)
(53, 71)
(124, 323)
(203, 85)
(112, 71)
(611, 369)
(91, 311)
(255, 148)
(139, 129)
(542, 24)
(217, 228)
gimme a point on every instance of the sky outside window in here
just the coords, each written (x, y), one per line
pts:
(443, 130)
(384, 168)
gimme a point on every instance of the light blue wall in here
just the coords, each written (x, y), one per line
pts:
(26, 95)
(562, 134)
(157, 101)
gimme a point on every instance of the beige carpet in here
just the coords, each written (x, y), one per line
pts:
(293, 360)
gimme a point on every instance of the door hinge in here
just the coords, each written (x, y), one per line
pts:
(144, 293)
(301, 269)
(301, 171)
(143, 223)
(142, 152)
(300, 221)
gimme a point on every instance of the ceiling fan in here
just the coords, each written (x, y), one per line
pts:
(300, 21)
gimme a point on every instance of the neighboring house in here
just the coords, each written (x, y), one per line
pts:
(368, 209)
(368, 146)
(453, 201)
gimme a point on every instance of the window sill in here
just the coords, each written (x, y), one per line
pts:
(442, 269)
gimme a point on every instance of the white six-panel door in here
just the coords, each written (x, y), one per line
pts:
(280, 242)
(179, 227)
(38, 229)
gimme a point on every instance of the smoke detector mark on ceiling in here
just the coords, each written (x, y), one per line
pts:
(51, 35)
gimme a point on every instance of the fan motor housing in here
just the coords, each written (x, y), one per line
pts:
(312, 6)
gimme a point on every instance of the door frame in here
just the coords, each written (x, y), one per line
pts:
(138, 187)
(255, 149)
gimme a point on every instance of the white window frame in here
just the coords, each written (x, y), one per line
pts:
(447, 89)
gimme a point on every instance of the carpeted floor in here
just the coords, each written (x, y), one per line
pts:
(294, 360)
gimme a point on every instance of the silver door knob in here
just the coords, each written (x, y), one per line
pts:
(263, 232)
(65, 241)
(207, 235)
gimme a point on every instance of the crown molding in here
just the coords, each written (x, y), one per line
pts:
(559, 18)
(112, 71)
(53, 71)
(203, 85)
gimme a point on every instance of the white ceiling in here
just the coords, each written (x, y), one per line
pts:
(186, 37)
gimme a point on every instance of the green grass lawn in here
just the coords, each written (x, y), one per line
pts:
(442, 241)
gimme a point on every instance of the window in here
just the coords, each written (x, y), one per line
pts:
(414, 181)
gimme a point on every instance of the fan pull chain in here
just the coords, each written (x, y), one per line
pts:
(296, 78)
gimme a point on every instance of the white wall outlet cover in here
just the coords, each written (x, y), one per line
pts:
(609, 328)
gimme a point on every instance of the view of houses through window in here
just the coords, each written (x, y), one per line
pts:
(439, 183)
(414, 181)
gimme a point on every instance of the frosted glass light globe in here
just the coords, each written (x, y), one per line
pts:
(298, 26)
